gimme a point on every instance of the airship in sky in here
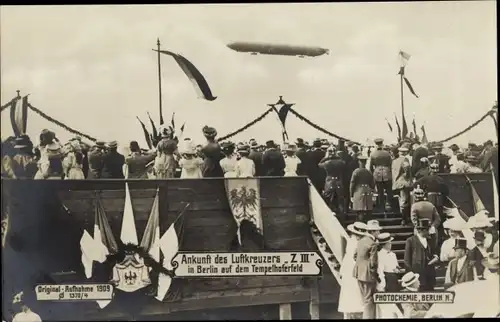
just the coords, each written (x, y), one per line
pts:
(276, 49)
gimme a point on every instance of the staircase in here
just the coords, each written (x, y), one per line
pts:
(391, 223)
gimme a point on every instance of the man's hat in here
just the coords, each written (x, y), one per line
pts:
(373, 225)
(134, 145)
(384, 238)
(254, 145)
(100, 144)
(227, 145)
(317, 143)
(22, 142)
(403, 149)
(488, 142)
(299, 141)
(460, 243)
(291, 148)
(479, 236)
(244, 148)
(378, 141)
(362, 157)
(438, 146)
(357, 228)
(409, 278)
(471, 158)
(113, 144)
(424, 223)
(270, 144)
(454, 147)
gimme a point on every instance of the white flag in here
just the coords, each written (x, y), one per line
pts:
(87, 248)
(405, 56)
(169, 245)
(128, 233)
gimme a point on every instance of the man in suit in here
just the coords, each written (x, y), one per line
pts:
(380, 166)
(315, 173)
(421, 256)
(461, 268)
(366, 266)
(333, 191)
(361, 190)
(442, 159)
(411, 283)
(401, 182)
(113, 163)
(273, 162)
(419, 152)
(136, 162)
(96, 160)
(256, 156)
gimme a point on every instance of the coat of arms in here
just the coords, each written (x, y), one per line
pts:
(131, 274)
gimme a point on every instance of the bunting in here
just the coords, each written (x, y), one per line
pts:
(404, 131)
(151, 238)
(197, 79)
(19, 115)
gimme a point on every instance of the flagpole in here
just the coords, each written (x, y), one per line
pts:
(402, 104)
(159, 82)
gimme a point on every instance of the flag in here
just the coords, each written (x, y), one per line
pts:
(151, 238)
(410, 87)
(154, 135)
(128, 233)
(424, 135)
(146, 134)
(283, 113)
(180, 134)
(244, 200)
(19, 115)
(388, 124)
(414, 126)
(398, 126)
(405, 57)
(197, 79)
(169, 245)
(87, 245)
(404, 131)
(477, 202)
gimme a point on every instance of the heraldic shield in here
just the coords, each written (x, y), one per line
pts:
(131, 274)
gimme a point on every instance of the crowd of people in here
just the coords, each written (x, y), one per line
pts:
(370, 266)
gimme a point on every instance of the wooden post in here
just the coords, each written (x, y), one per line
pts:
(286, 311)
(158, 45)
(314, 302)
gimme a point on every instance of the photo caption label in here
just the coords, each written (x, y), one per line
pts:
(247, 264)
(414, 297)
(74, 292)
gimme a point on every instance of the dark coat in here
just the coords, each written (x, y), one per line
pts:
(425, 209)
(433, 183)
(137, 165)
(419, 153)
(273, 163)
(113, 165)
(417, 258)
(380, 165)
(444, 163)
(366, 260)
(211, 161)
(96, 162)
(314, 171)
(256, 157)
(304, 162)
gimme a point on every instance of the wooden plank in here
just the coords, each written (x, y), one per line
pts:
(197, 205)
(221, 284)
(286, 311)
(315, 300)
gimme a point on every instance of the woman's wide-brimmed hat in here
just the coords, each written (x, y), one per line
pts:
(189, 148)
(357, 228)
(227, 145)
(291, 148)
(373, 225)
(209, 131)
(409, 278)
(244, 148)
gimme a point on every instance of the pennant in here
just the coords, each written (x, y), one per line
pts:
(146, 134)
(173, 120)
(398, 126)
(404, 131)
(244, 200)
(410, 87)
(283, 113)
(19, 115)
(197, 79)
(405, 57)
(424, 136)
(128, 233)
(151, 238)
(388, 124)
(154, 135)
(169, 245)
(103, 235)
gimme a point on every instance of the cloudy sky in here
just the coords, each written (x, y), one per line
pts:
(92, 67)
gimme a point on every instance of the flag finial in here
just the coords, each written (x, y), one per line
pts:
(158, 42)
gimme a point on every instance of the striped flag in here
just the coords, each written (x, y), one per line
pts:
(19, 115)
(195, 76)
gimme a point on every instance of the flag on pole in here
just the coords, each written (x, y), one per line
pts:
(19, 115)
(388, 124)
(477, 202)
(398, 126)
(405, 57)
(128, 233)
(147, 135)
(424, 135)
(173, 120)
(197, 79)
(153, 127)
(151, 238)
(404, 131)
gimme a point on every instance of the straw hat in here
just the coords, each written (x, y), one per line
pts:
(113, 144)
(384, 238)
(357, 228)
(409, 278)
(373, 225)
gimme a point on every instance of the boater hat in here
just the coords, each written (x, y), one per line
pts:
(460, 243)
(373, 225)
(378, 141)
(357, 228)
(384, 238)
(409, 278)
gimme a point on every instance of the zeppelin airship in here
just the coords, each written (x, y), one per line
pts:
(275, 49)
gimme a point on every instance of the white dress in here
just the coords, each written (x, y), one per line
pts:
(350, 300)
(228, 165)
(191, 168)
(291, 164)
(245, 168)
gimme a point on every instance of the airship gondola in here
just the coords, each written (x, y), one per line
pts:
(275, 49)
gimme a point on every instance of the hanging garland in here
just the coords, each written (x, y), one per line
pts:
(4, 107)
(230, 135)
(470, 127)
(64, 126)
(317, 127)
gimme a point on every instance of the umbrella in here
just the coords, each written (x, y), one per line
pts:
(481, 298)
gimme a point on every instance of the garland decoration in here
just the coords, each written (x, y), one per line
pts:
(4, 107)
(64, 126)
(230, 135)
(470, 127)
(317, 127)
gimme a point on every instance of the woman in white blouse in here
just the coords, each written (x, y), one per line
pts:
(291, 161)
(190, 163)
(228, 163)
(245, 167)
(388, 270)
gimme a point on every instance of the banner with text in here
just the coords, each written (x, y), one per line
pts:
(74, 292)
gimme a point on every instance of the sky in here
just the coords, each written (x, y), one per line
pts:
(92, 67)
